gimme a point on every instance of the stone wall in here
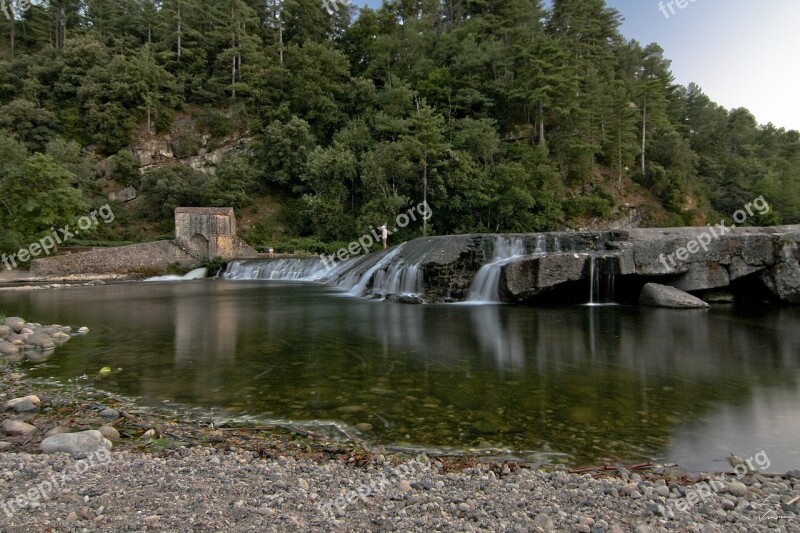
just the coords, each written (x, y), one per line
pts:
(120, 260)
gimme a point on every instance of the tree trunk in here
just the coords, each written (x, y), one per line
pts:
(180, 29)
(425, 194)
(11, 33)
(540, 119)
(644, 135)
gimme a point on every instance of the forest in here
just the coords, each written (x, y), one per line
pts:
(503, 115)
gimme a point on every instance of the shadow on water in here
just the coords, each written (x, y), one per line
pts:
(597, 383)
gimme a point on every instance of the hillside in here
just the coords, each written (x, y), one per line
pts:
(502, 115)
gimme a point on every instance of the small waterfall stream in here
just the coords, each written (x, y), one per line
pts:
(484, 288)
(601, 280)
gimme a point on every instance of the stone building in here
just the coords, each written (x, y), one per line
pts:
(209, 232)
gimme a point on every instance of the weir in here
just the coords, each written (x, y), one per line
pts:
(435, 269)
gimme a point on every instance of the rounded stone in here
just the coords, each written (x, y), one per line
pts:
(17, 427)
(78, 445)
(737, 489)
(109, 432)
(15, 323)
(58, 430)
(26, 404)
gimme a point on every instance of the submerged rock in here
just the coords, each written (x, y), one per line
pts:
(656, 295)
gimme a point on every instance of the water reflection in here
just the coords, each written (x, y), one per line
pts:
(598, 383)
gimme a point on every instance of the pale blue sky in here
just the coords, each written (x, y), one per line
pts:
(743, 53)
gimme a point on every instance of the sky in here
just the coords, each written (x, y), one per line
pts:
(742, 53)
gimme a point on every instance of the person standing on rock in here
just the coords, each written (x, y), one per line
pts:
(384, 235)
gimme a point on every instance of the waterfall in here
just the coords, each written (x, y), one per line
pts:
(601, 280)
(484, 287)
(541, 245)
(278, 269)
(373, 274)
(594, 284)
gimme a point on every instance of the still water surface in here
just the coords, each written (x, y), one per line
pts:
(595, 384)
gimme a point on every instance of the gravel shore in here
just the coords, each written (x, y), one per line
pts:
(176, 474)
(202, 489)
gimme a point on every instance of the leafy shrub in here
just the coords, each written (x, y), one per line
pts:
(214, 265)
(588, 206)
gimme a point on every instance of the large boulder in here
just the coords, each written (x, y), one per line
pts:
(79, 445)
(656, 295)
(783, 280)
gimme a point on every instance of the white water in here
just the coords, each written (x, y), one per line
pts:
(279, 269)
(197, 273)
(601, 286)
(363, 276)
(484, 287)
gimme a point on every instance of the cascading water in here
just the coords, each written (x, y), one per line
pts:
(374, 274)
(279, 269)
(484, 287)
(601, 280)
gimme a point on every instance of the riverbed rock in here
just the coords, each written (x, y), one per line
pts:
(79, 445)
(58, 430)
(4, 331)
(737, 488)
(26, 404)
(109, 432)
(41, 341)
(8, 348)
(4, 445)
(109, 413)
(18, 427)
(15, 323)
(656, 295)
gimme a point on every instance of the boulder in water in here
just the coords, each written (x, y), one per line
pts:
(656, 295)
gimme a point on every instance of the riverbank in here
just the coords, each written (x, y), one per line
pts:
(192, 475)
